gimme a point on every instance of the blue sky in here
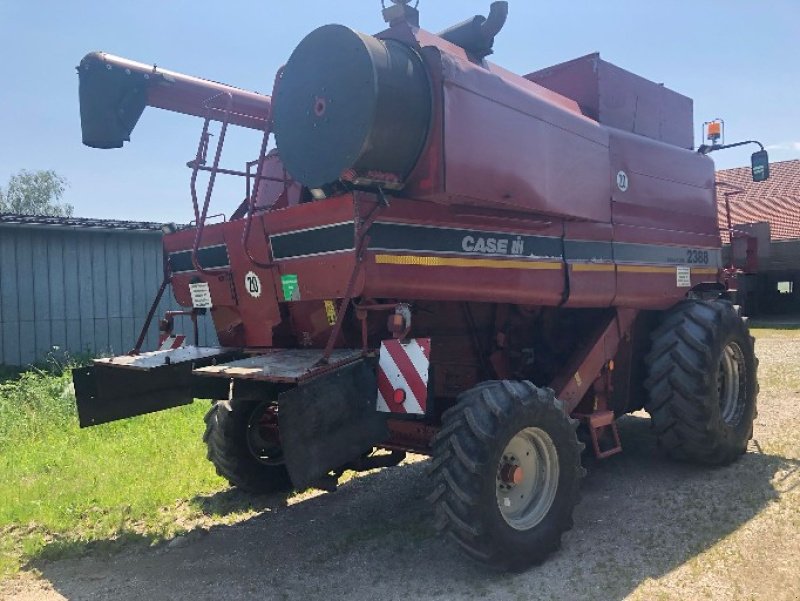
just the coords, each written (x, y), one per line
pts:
(736, 58)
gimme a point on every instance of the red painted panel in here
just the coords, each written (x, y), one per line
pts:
(656, 235)
(464, 283)
(590, 284)
(310, 326)
(667, 186)
(658, 290)
(311, 214)
(219, 285)
(319, 278)
(658, 217)
(540, 91)
(506, 145)
(618, 98)
(466, 216)
(427, 178)
(276, 192)
(258, 306)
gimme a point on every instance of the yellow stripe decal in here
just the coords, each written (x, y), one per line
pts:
(592, 267)
(705, 271)
(671, 270)
(644, 269)
(427, 261)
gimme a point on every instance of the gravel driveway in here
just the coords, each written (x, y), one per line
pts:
(646, 528)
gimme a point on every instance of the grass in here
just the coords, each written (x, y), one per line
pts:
(64, 490)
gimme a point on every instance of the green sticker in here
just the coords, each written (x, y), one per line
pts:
(291, 289)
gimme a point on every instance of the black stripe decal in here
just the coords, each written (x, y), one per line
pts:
(659, 254)
(334, 238)
(400, 237)
(209, 257)
(414, 238)
(592, 251)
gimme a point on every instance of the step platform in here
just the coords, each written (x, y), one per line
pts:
(116, 388)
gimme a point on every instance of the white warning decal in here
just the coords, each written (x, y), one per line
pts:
(201, 295)
(252, 283)
(683, 276)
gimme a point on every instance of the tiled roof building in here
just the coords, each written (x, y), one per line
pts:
(776, 201)
(768, 255)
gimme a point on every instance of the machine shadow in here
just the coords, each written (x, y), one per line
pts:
(640, 517)
(231, 501)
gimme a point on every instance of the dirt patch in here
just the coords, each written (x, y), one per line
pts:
(647, 528)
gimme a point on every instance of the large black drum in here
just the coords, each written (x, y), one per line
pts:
(351, 107)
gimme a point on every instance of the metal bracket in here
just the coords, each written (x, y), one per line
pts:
(597, 422)
(584, 367)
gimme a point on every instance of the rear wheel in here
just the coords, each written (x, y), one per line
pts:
(702, 382)
(244, 446)
(506, 468)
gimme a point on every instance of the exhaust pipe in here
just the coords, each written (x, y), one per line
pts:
(476, 35)
(114, 92)
(498, 14)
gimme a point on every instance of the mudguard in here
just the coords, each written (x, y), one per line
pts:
(330, 420)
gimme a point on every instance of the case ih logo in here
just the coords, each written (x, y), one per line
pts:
(433, 239)
(493, 246)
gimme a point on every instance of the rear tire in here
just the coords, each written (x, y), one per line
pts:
(506, 471)
(228, 438)
(702, 383)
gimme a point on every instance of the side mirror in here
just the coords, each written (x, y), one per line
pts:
(759, 164)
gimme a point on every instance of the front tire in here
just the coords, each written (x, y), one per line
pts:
(506, 471)
(702, 383)
(244, 447)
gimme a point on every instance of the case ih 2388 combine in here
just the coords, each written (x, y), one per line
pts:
(439, 257)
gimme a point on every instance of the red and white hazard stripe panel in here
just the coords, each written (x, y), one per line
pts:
(403, 376)
(170, 343)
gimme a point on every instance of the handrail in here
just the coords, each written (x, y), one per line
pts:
(361, 240)
(734, 191)
(251, 204)
(200, 160)
(224, 218)
(151, 313)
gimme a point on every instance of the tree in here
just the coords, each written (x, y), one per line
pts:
(35, 193)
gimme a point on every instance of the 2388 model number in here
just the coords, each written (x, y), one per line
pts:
(697, 257)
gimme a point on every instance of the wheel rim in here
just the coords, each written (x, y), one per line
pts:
(731, 384)
(527, 478)
(263, 437)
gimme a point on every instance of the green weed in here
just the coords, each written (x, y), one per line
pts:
(64, 490)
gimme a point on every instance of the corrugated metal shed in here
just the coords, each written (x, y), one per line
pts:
(83, 285)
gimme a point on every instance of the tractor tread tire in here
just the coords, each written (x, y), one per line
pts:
(683, 400)
(227, 450)
(465, 454)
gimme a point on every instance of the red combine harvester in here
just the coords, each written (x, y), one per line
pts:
(439, 257)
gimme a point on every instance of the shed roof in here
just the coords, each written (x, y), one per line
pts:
(40, 221)
(776, 201)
